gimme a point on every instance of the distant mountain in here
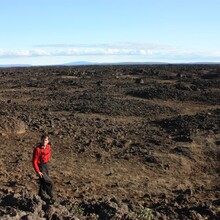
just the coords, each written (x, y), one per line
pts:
(81, 63)
(205, 63)
(86, 63)
(15, 65)
(137, 63)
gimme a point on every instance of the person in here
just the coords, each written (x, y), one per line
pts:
(41, 157)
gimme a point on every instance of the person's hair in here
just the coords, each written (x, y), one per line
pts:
(43, 136)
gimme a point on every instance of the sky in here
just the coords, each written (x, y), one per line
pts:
(50, 32)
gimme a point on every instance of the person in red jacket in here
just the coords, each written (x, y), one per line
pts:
(41, 157)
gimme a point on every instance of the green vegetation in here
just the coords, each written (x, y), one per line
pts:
(78, 210)
(145, 214)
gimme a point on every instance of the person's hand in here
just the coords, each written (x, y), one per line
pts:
(40, 174)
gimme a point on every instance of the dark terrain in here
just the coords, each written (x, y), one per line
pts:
(129, 142)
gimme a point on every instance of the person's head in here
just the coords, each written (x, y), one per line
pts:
(44, 139)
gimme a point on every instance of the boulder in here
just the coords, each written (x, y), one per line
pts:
(11, 126)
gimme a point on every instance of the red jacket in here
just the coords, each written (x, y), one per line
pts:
(41, 155)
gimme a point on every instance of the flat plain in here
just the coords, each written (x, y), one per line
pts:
(129, 142)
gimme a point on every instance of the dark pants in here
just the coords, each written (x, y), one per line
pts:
(46, 184)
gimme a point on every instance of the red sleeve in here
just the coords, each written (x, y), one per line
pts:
(36, 154)
(50, 150)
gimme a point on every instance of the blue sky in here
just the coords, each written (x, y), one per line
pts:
(45, 32)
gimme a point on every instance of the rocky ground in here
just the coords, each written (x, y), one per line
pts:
(129, 142)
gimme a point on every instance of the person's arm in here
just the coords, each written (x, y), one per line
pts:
(50, 151)
(36, 155)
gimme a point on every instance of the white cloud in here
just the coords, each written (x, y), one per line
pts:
(125, 49)
(40, 52)
(23, 53)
